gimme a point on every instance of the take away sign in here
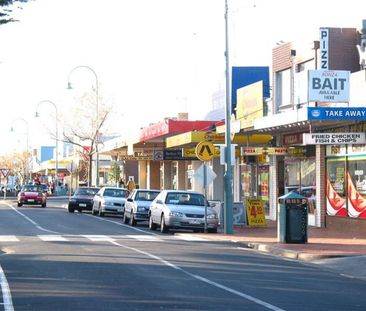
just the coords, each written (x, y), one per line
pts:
(328, 86)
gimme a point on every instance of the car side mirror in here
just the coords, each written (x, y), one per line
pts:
(159, 201)
(129, 200)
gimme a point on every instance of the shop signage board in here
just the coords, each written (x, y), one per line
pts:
(263, 150)
(329, 86)
(175, 155)
(255, 212)
(337, 113)
(324, 45)
(191, 152)
(333, 138)
(135, 158)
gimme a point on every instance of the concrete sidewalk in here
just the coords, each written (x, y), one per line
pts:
(322, 242)
(343, 251)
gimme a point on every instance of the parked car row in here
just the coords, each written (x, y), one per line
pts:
(166, 209)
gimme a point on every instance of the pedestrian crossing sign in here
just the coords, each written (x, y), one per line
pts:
(205, 150)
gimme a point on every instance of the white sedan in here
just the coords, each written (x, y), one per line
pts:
(110, 200)
(176, 209)
(137, 206)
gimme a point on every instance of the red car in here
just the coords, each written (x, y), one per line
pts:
(32, 195)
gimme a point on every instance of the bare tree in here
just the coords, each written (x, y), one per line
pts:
(84, 129)
(6, 10)
(17, 163)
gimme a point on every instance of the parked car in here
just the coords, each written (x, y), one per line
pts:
(31, 195)
(138, 205)
(45, 189)
(110, 200)
(82, 199)
(175, 209)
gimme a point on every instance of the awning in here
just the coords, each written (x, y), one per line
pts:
(192, 138)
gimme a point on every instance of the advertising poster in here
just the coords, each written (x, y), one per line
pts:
(255, 212)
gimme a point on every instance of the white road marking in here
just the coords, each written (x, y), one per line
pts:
(52, 238)
(200, 278)
(8, 238)
(98, 238)
(8, 302)
(145, 238)
(188, 237)
(8, 305)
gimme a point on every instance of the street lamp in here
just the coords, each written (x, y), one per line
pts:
(228, 177)
(27, 147)
(69, 86)
(56, 138)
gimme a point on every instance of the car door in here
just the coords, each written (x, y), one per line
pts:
(155, 208)
(96, 201)
(129, 205)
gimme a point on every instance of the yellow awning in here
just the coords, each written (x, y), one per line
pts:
(189, 138)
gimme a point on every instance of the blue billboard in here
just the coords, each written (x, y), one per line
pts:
(336, 113)
(243, 76)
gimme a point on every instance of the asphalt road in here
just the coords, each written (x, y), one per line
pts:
(55, 260)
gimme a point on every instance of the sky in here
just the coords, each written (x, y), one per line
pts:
(153, 58)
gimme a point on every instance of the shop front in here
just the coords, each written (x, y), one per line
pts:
(346, 181)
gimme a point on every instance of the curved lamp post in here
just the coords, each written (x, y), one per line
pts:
(27, 147)
(69, 86)
(56, 156)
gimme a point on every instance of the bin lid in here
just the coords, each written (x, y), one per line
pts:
(291, 195)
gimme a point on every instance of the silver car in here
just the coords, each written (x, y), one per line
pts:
(175, 209)
(137, 206)
(110, 200)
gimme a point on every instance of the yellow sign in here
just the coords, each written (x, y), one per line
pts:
(205, 150)
(255, 212)
(249, 104)
(197, 136)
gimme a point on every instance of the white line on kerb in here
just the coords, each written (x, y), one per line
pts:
(202, 279)
(8, 303)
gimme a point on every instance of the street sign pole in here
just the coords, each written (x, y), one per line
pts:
(205, 191)
(228, 177)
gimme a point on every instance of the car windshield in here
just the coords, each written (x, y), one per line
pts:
(121, 193)
(185, 199)
(86, 191)
(32, 189)
(146, 195)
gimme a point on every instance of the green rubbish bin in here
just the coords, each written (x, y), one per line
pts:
(292, 218)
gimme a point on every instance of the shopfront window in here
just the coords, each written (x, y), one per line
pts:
(356, 187)
(263, 186)
(336, 187)
(300, 176)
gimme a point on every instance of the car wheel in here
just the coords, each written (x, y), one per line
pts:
(163, 227)
(80, 210)
(71, 210)
(125, 219)
(132, 220)
(19, 204)
(100, 213)
(212, 230)
(152, 225)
